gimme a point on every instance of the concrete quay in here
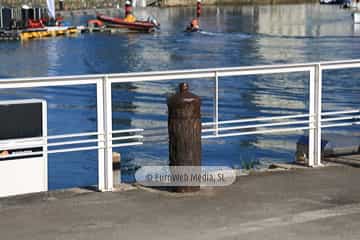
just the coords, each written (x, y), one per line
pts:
(322, 203)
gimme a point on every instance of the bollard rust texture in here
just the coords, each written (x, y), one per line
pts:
(184, 126)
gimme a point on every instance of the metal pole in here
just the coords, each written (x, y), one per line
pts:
(104, 114)
(108, 134)
(318, 106)
(315, 116)
(101, 136)
(45, 146)
(216, 104)
(1, 18)
(312, 113)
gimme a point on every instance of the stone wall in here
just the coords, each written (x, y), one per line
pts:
(169, 3)
(88, 4)
(69, 4)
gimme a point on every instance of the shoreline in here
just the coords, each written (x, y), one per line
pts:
(78, 5)
(94, 11)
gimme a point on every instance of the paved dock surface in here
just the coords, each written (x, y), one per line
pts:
(298, 204)
(351, 159)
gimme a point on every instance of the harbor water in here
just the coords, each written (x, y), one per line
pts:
(231, 36)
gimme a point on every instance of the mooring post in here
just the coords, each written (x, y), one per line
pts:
(184, 126)
(116, 168)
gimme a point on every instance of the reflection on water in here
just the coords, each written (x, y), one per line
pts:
(232, 36)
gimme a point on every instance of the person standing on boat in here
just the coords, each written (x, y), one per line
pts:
(194, 25)
(129, 17)
(198, 8)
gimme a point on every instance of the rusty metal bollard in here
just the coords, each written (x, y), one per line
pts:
(184, 126)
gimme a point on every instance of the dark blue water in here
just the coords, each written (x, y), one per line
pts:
(232, 36)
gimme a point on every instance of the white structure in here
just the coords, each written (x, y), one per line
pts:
(51, 8)
(23, 167)
(356, 17)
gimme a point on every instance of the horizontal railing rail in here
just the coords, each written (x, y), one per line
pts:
(105, 138)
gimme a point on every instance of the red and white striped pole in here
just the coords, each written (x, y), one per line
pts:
(198, 8)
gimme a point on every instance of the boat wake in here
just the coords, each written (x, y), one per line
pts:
(219, 34)
(238, 35)
(308, 36)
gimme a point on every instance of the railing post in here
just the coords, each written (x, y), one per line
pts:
(104, 114)
(108, 134)
(318, 86)
(216, 104)
(45, 148)
(101, 136)
(315, 116)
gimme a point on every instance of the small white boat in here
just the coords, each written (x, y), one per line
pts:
(328, 1)
(356, 17)
(351, 4)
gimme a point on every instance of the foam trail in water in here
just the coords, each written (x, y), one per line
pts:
(235, 35)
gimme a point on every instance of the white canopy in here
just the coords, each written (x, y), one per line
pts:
(51, 8)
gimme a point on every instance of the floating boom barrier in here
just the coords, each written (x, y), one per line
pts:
(49, 32)
(38, 33)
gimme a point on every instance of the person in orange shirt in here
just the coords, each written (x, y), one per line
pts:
(194, 25)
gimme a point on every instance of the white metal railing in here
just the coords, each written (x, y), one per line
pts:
(103, 140)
